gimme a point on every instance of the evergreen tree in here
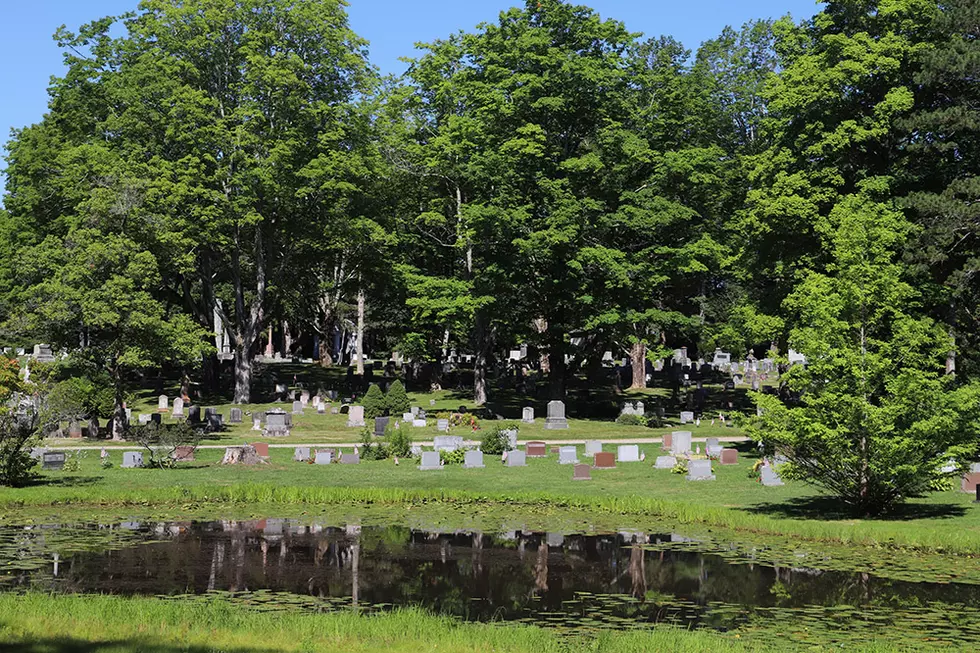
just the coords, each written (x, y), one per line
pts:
(397, 399)
(374, 402)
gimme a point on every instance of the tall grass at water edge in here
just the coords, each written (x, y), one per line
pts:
(856, 532)
(41, 622)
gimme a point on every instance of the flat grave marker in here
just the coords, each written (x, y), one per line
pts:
(582, 473)
(604, 460)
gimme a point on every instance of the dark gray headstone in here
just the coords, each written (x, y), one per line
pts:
(236, 416)
(52, 460)
(194, 414)
(380, 425)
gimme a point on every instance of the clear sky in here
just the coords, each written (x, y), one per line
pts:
(30, 57)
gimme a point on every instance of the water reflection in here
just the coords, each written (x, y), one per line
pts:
(626, 578)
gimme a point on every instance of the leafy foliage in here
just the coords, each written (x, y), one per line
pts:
(397, 399)
(494, 441)
(374, 402)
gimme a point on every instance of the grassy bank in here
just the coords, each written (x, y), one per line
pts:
(38, 622)
(944, 522)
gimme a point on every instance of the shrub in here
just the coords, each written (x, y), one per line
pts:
(374, 402)
(399, 442)
(632, 420)
(457, 457)
(397, 399)
(495, 442)
(161, 441)
(371, 450)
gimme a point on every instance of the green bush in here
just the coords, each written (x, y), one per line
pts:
(632, 420)
(397, 399)
(457, 457)
(399, 442)
(494, 442)
(371, 450)
(374, 402)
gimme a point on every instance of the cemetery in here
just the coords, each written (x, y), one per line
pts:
(559, 337)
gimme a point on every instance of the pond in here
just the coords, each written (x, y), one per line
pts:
(572, 581)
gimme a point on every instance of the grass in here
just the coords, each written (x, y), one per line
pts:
(944, 522)
(38, 622)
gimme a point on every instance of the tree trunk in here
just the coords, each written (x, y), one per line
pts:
(211, 373)
(119, 409)
(326, 360)
(243, 372)
(360, 331)
(638, 356)
(556, 365)
(480, 363)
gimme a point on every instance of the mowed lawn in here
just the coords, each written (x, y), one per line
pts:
(944, 519)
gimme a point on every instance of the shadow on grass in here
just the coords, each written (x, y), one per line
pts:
(71, 645)
(831, 508)
(62, 481)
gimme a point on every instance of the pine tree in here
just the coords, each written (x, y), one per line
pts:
(374, 402)
(397, 399)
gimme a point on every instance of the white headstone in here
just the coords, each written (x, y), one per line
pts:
(699, 470)
(323, 457)
(144, 418)
(163, 403)
(301, 454)
(628, 453)
(680, 442)
(516, 458)
(769, 477)
(430, 460)
(442, 425)
(297, 408)
(687, 417)
(556, 416)
(132, 459)
(407, 417)
(567, 456)
(473, 459)
(418, 423)
(355, 416)
(528, 415)
(256, 424)
(666, 462)
(448, 442)
(592, 447)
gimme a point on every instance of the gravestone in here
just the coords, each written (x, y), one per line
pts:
(256, 424)
(43, 354)
(665, 462)
(699, 470)
(970, 482)
(635, 408)
(415, 411)
(163, 403)
(528, 415)
(687, 417)
(323, 458)
(156, 418)
(275, 424)
(37, 453)
(447, 442)
(355, 416)
(297, 408)
(143, 418)
(582, 473)
(430, 460)
(244, 455)
(132, 459)
(511, 435)
(301, 454)
(668, 440)
(51, 460)
(178, 407)
(419, 423)
(592, 447)
(628, 453)
(183, 454)
(213, 418)
(711, 442)
(304, 397)
(407, 418)
(680, 442)
(432, 402)
(536, 449)
(473, 459)
(556, 416)
(769, 477)
(261, 449)
(235, 417)
(442, 425)
(350, 459)
(194, 414)
(567, 456)
(729, 456)
(334, 410)
(516, 458)
(380, 426)
(321, 408)
(416, 450)
(604, 460)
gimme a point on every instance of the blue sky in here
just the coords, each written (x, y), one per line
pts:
(30, 57)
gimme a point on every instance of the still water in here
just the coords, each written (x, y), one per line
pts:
(627, 579)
